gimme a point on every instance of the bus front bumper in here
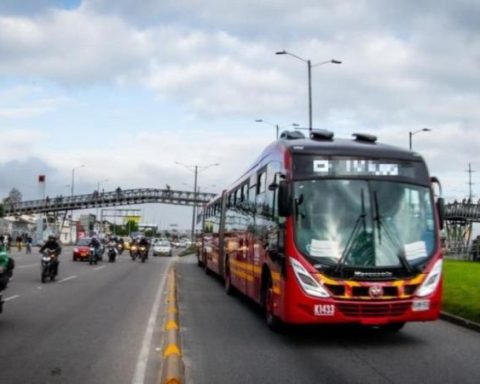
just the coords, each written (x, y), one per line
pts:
(313, 311)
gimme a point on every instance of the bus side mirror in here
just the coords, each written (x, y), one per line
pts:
(441, 212)
(284, 199)
(440, 203)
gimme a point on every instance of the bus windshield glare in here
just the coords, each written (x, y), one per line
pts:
(363, 223)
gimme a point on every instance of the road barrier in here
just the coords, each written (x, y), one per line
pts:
(173, 369)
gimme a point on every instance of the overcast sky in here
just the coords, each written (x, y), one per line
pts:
(129, 87)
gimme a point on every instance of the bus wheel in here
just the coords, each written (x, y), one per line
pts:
(273, 322)
(229, 289)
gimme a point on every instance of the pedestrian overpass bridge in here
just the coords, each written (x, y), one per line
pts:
(459, 220)
(108, 199)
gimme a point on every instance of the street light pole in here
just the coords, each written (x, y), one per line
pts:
(73, 177)
(196, 169)
(72, 192)
(410, 135)
(277, 127)
(309, 69)
(310, 118)
(194, 204)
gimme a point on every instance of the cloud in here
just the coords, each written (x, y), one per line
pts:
(23, 175)
(18, 144)
(22, 101)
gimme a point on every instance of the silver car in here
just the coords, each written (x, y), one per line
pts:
(162, 248)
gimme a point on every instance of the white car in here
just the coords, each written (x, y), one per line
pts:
(162, 248)
(184, 243)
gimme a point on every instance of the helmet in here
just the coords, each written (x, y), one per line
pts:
(51, 237)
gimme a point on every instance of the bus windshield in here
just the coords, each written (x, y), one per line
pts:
(364, 224)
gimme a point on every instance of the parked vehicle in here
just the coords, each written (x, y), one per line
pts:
(49, 266)
(162, 248)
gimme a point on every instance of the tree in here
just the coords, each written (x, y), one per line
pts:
(14, 197)
(131, 226)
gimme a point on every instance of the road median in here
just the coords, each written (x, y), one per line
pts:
(172, 368)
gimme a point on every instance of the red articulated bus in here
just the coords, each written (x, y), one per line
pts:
(324, 230)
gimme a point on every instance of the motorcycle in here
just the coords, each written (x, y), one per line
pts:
(112, 253)
(143, 253)
(94, 256)
(120, 248)
(49, 266)
(133, 251)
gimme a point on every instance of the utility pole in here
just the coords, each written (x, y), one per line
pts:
(194, 204)
(470, 184)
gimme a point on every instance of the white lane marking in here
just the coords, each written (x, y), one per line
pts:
(27, 265)
(68, 278)
(98, 268)
(141, 367)
(39, 287)
(11, 298)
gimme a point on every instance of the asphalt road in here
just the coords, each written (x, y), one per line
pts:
(90, 326)
(226, 341)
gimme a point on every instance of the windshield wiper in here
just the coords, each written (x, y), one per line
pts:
(378, 219)
(350, 242)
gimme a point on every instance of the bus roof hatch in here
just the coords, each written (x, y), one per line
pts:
(365, 137)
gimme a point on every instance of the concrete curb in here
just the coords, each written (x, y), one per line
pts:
(173, 369)
(460, 321)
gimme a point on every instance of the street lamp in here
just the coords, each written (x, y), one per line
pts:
(410, 134)
(309, 67)
(100, 194)
(276, 125)
(73, 177)
(196, 169)
(99, 183)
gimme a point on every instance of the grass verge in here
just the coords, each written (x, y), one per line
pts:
(461, 289)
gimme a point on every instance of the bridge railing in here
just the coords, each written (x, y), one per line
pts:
(462, 211)
(107, 199)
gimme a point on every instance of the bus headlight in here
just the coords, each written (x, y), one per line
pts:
(309, 284)
(432, 280)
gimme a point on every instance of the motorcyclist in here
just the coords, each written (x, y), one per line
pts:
(52, 245)
(96, 245)
(112, 243)
(28, 244)
(143, 242)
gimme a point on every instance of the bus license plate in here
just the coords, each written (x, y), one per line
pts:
(324, 310)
